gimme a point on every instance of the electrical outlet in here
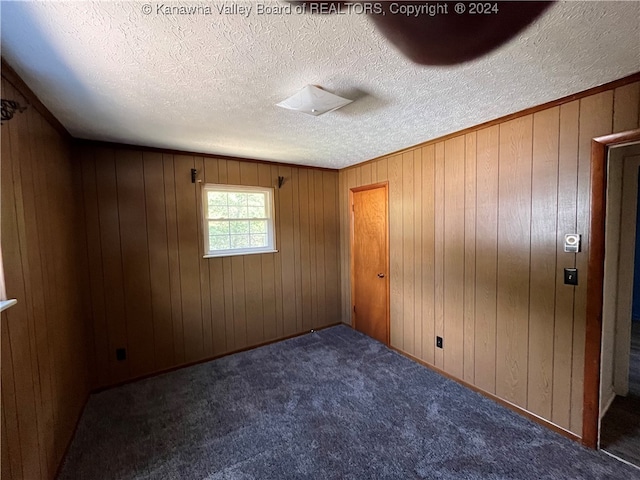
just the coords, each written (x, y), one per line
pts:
(439, 342)
(121, 354)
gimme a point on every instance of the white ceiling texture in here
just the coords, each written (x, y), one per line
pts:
(208, 82)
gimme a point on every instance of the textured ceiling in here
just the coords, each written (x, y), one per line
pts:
(209, 83)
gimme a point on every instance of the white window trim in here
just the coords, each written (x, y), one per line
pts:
(271, 223)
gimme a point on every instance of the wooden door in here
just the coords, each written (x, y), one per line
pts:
(370, 261)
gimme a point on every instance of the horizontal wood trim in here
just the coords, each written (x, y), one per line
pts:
(504, 403)
(125, 146)
(370, 187)
(209, 359)
(10, 75)
(522, 113)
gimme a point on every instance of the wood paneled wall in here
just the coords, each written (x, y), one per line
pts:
(151, 290)
(477, 225)
(44, 369)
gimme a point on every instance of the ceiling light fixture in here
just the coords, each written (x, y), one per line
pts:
(314, 101)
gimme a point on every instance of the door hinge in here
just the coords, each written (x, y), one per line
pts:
(353, 207)
(354, 309)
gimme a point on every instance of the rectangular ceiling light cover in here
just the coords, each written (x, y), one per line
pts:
(314, 101)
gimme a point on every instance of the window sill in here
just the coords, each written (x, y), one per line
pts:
(6, 304)
(239, 254)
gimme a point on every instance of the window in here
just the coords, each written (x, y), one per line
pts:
(238, 220)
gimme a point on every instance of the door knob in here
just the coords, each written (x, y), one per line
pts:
(381, 275)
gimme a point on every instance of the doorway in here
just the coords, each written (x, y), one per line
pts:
(600, 148)
(370, 260)
(619, 389)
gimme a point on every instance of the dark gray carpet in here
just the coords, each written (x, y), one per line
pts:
(328, 405)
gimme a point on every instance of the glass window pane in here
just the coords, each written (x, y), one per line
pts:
(217, 211)
(238, 212)
(219, 242)
(258, 240)
(240, 241)
(237, 199)
(218, 228)
(239, 227)
(258, 226)
(257, 212)
(217, 198)
(256, 199)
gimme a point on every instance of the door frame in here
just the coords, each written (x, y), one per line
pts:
(387, 275)
(595, 283)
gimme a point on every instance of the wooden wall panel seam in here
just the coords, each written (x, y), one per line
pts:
(249, 290)
(45, 339)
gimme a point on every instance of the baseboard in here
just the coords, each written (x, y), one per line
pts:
(505, 403)
(73, 435)
(207, 359)
(607, 403)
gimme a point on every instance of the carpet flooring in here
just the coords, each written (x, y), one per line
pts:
(620, 430)
(333, 404)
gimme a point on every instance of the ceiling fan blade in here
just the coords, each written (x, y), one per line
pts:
(445, 38)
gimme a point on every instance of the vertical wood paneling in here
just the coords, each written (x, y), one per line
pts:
(180, 306)
(237, 275)
(223, 178)
(417, 247)
(216, 278)
(23, 200)
(428, 253)
(203, 265)
(351, 182)
(408, 255)
(344, 246)
(454, 243)
(331, 246)
(596, 119)
(490, 277)
(439, 250)
(187, 218)
(9, 406)
(271, 264)
(396, 246)
(366, 175)
(46, 352)
(320, 245)
(109, 225)
(96, 284)
(16, 319)
(514, 238)
(486, 257)
(382, 170)
(542, 287)
(626, 107)
(41, 321)
(155, 208)
(305, 253)
(135, 262)
(253, 274)
(313, 259)
(174, 257)
(470, 176)
(297, 251)
(566, 223)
